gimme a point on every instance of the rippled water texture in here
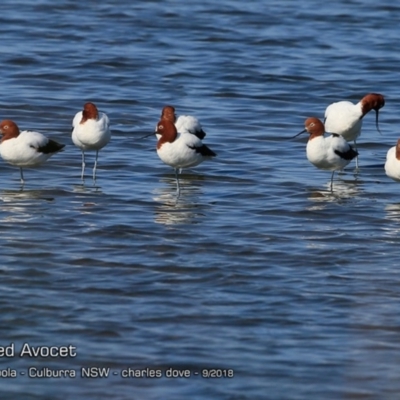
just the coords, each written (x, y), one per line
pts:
(257, 267)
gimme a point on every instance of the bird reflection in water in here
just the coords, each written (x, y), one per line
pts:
(187, 208)
(342, 190)
(393, 214)
(19, 204)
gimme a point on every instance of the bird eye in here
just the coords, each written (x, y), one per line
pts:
(5, 127)
(160, 126)
(312, 124)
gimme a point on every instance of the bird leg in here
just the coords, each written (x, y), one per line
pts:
(83, 165)
(22, 176)
(332, 181)
(95, 165)
(178, 188)
(355, 148)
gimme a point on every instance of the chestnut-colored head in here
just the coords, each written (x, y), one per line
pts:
(372, 101)
(8, 129)
(168, 113)
(398, 150)
(314, 127)
(167, 130)
(89, 112)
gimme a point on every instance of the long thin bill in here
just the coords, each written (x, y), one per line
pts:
(376, 120)
(150, 134)
(305, 130)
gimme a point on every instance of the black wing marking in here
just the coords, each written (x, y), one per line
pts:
(347, 155)
(203, 150)
(50, 147)
(199, 133)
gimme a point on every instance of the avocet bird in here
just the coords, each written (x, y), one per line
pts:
(345, 118)
(180, 150)
(91, 131)
(392, 165)
(331, 153)
(26, 148)
(184, 123)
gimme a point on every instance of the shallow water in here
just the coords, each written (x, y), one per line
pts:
(257, 267)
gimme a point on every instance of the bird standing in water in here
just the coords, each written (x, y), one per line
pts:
(91, 131)
(345, 118)
(330, 153)
(180, 150)
(26, 148)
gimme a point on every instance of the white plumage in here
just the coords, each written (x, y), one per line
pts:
(189, 124)
(323, 152)
(184, 123)
(180, 150)
(26, 148)
(93, 134)
(91, 131)
(181, 153)
(392, 165)
(22, 151)
(331, 153)
(345, 118)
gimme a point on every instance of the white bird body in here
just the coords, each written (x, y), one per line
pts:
(184, 123)
(93, 134)
(331, 153)
(91, 131)
(190, 124)
(345, 119)
(180, 150)
(392, 165)
(26, 148)
(22, 151)
(323, 152)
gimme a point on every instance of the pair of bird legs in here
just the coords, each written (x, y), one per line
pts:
(355, 148)
(84, 165)
(83, 168)
(178, 187)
